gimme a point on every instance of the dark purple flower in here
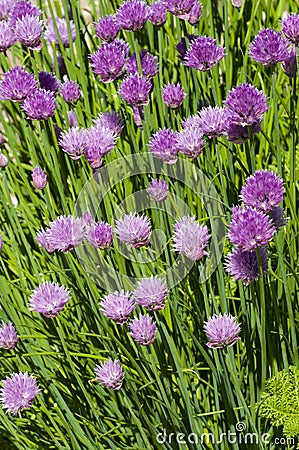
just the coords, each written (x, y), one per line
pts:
(158, 189)
(111, 120)
(269, 47)
(110, 374)
(179, 8)
(100, 235)
(203, 53)
(135, 90)
(8, 336)
(28, 31)
(72, 118)
(157, 14)
(48, 81)
(190, 142)
(151, 293)
(290, 28)
(17, 84)
(211, 121)
(7, 36)
(182, 45)
(190, 238)
(108, 61)
(132, 15)
(163, 145)
(245, 105)
(3, 161)
(289, 66)
(195, 13)
(70, 92)
(244, 265)
(107, 28)
(99, 141)
(73, 142)
(39, 178)
(122, 45)
(49, 299)
(23, 9)
(143, 329)
(222, 331)
(250, 228)
(134, 230)
(277, 216)
(118, 306)
(40, 105)
(173, 95)
(239, 134)
(148, 63)
(263, 190)
(61, 66)
(6, 6)
(18, 392)
(62, 27)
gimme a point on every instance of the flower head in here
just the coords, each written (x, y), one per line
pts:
(17, 84)
(151, 293)
(62, 28)
(110, 374)
(40, 105)
(195, 13)
(290, 28)
(143, 329)
(190, 142)
(49, 299)
(8, 336)
(277, 216)
(158, 189)
(173, 95)
(289, 65)
(72, 119)
(222, 330)
(148, 63)
(203, 53)
(163, 145)
(99, 141)
(118, 306)
(3, 160)
(73, 142)
(134, 230)
(108, 61)
(22, 9)
(211, 120)
(239, 133)
(182, 45)
(179, 8)
(28, 31)
(244, 265)
(100, 235)
(70, 92)
(6, 6)
(190, 238)
(269, 47)
(111, 120)
(48, 81)
(157, 14)
(132, 15)
(39, 178)
(107, 28)
(135, 90)
(7, 36)
(18, 392)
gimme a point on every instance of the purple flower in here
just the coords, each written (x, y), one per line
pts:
(157, 14)
(143, 329)
(244, 265)
(61, 66)
(190, 142)
(237, 3)
(107, 28)
(182, 45)
(8, 336)
(72, 119)
(63, 233)
(192, 122)
(148, 63)
(62, 27)
(222, 330)
(190, 238)
(239, 133)
(98, 142)
(122, 45)
(134, 230)
(173, 95)
(263, 190)
(151, 293)
(269, 47)
(48, 81)
(18, 392)
(23, 9)
(40, 105)
(70, 92)
(6, 7)
(245, 105)
(290, 28)
(39, 178)
(108, 61)
(49, 299)
(110, 374)
(289, 66)
(132, 15)
(250, 228)
(277, 216)
(17, 84)
(7, 36)
(73, 142)
(163, 145)
(179, 8)
(3, 161)
(111, 120)
(195, 13)
(28, 31)
(203, 53)
(100, 235)
(212, 121)
(118, 306)
(158, 189)
(135, 90)
(87, 219)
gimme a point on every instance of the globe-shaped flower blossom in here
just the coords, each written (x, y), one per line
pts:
(6, 6)
(108, 61)
(17, 84)
(222, 330)
(135, 90)
(62, 27)
(49, 299)
(163, 145)
(48, 81)
(250, 228)
(151, 293)
(195, 13)
(182, 46)
(244, 265)
(100, 235)
(110, 374)
(39, 178)
(190, 142)
(192, 122)
(7, 36)
(289, 66)
(211, 121)
(118, 306)
(107, 28)
(98, 142)
(204, 53)
(190, 238)
(40, 105)
(143, 329)
(18, 392)
(70, 92)
(263, 190)
(111, 120)
(157, 14)
(132, 15)
(73, 142)
(245, 105)
(179, 8)
(277, 216)
(173, 95)
(8, 336)
(269, 47)
(87, 219)
(28, 31)
(148, 62)
(72, 119)
(238, 134)
(290, 28)
(133, 230)
(158, 190)
(22, 9)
